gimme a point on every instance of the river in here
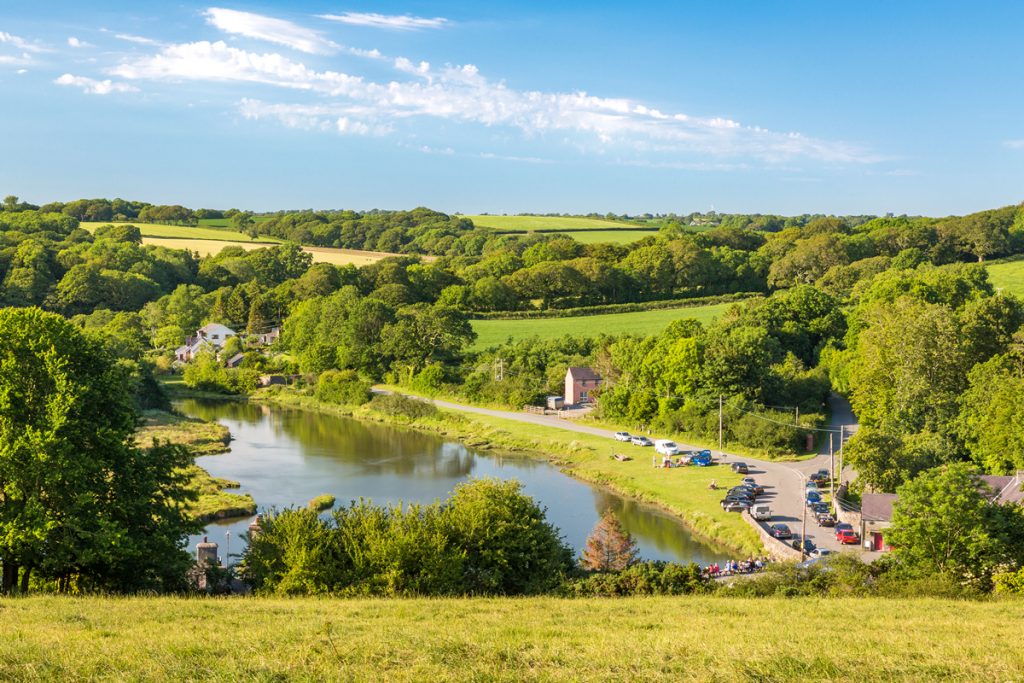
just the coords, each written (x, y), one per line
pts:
(285, 457)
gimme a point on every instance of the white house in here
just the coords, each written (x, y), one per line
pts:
(212, 336)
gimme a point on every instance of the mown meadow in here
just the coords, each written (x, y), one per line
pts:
(690, 638)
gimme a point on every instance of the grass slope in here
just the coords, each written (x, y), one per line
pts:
(715, 639)
(606, 236)
(494, 332)
(560, 223)
(1009, 276)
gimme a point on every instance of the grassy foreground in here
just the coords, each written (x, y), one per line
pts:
(50, 638)
(493, 332)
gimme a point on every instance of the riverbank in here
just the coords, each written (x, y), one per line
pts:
(683, 492)
(213, 501)
(694, 638)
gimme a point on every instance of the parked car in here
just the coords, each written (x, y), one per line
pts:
(818, 508)
(734, 505)
(808, 545)
(641, 441)
(761, 513)
(820, 477)
(810, 486)
(780, 531)
(739, 498)
(740, 467)
(813, 497)
(826, 519)
(822, 552)
(623, 436)
(666, 447)
(841, 527)
(848, 537)
(701, 459)
(749, 481)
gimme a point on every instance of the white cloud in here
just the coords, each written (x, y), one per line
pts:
(21, 43)
(139, 40)
(271, 30)
(1014, 144)
(93, 87)
(75, 42)
(462, 93)
(21, 71)
(402, 22)
(506, 157)
(345, 120)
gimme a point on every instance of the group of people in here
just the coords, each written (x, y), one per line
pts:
(731, 567)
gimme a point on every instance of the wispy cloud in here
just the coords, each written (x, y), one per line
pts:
(92, 86)
(75, 42)
(278, 31)
(344, 120)
(138, 40)
(1014, 144)
(506, 157)
(403, 22)
(22, 44)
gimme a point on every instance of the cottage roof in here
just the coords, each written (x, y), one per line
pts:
(877, 507)
(583, 373)
(215, 328)
(235, 359)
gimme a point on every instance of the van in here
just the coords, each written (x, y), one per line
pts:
(761, 513)
(666, 447)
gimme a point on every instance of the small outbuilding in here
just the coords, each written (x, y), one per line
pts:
(875, 518)
(555, 403)
(580, 384)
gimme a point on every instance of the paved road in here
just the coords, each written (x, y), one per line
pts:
(783, 481)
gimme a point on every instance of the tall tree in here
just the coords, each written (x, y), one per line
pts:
(609, 547)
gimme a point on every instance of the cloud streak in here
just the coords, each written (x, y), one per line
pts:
(1014, 144)
(395, 22)
(91, 86)
(271, 30)
(463, 94)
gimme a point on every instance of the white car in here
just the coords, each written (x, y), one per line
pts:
(822, 552)
(623, 436)
(641, 441)
(761, 512)
(666, 447)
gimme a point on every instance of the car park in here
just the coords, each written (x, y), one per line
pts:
(740, 467)
(641, 441)
(847, 537)
(780, 531)
(623, 436)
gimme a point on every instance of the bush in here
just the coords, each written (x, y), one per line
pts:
(643, 578)
(343, 387)
(205, 373)
(397, 404)
(1009, 582)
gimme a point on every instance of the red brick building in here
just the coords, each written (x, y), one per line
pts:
(580, 384)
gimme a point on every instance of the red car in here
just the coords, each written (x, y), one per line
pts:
(847, 537)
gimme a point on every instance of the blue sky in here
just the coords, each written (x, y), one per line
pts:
(794, 107)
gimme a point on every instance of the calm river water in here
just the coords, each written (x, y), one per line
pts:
(286, 457)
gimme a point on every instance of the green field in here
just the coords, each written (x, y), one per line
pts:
(1009, 276)
(585, 230)
(715, 639)
(226, 222)
(494, 332)
(185, 232)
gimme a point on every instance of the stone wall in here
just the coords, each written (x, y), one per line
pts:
(777, 550)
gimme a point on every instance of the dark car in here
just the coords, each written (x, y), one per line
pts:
(841, 527)
(819, 508)
(819, 477)
(808, 545)
(780, 531)
(740, 467)
(735, 505)
(753, 485)
(738, 498)
(826, 519)
(744, 490)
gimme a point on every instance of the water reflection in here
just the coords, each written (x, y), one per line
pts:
(286, 457)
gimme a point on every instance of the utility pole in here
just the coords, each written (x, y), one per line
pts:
(842, 435)
(499, 369)
(803, 533)
(796, 420)
(832, 469)
(720, 424)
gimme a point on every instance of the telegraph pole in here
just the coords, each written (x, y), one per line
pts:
(832, 468)
(842, 434)
(803, 532)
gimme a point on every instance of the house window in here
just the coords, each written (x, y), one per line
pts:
(215, 336)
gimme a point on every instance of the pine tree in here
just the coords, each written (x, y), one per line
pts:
(609, 547)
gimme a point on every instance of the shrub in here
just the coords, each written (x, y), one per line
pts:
(343, 387)
(322, 502)
(643, 578)
(397, 404)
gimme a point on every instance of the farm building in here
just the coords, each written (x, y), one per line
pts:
(212, 336)
(580, 384)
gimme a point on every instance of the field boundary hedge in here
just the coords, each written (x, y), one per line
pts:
(604, 309)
